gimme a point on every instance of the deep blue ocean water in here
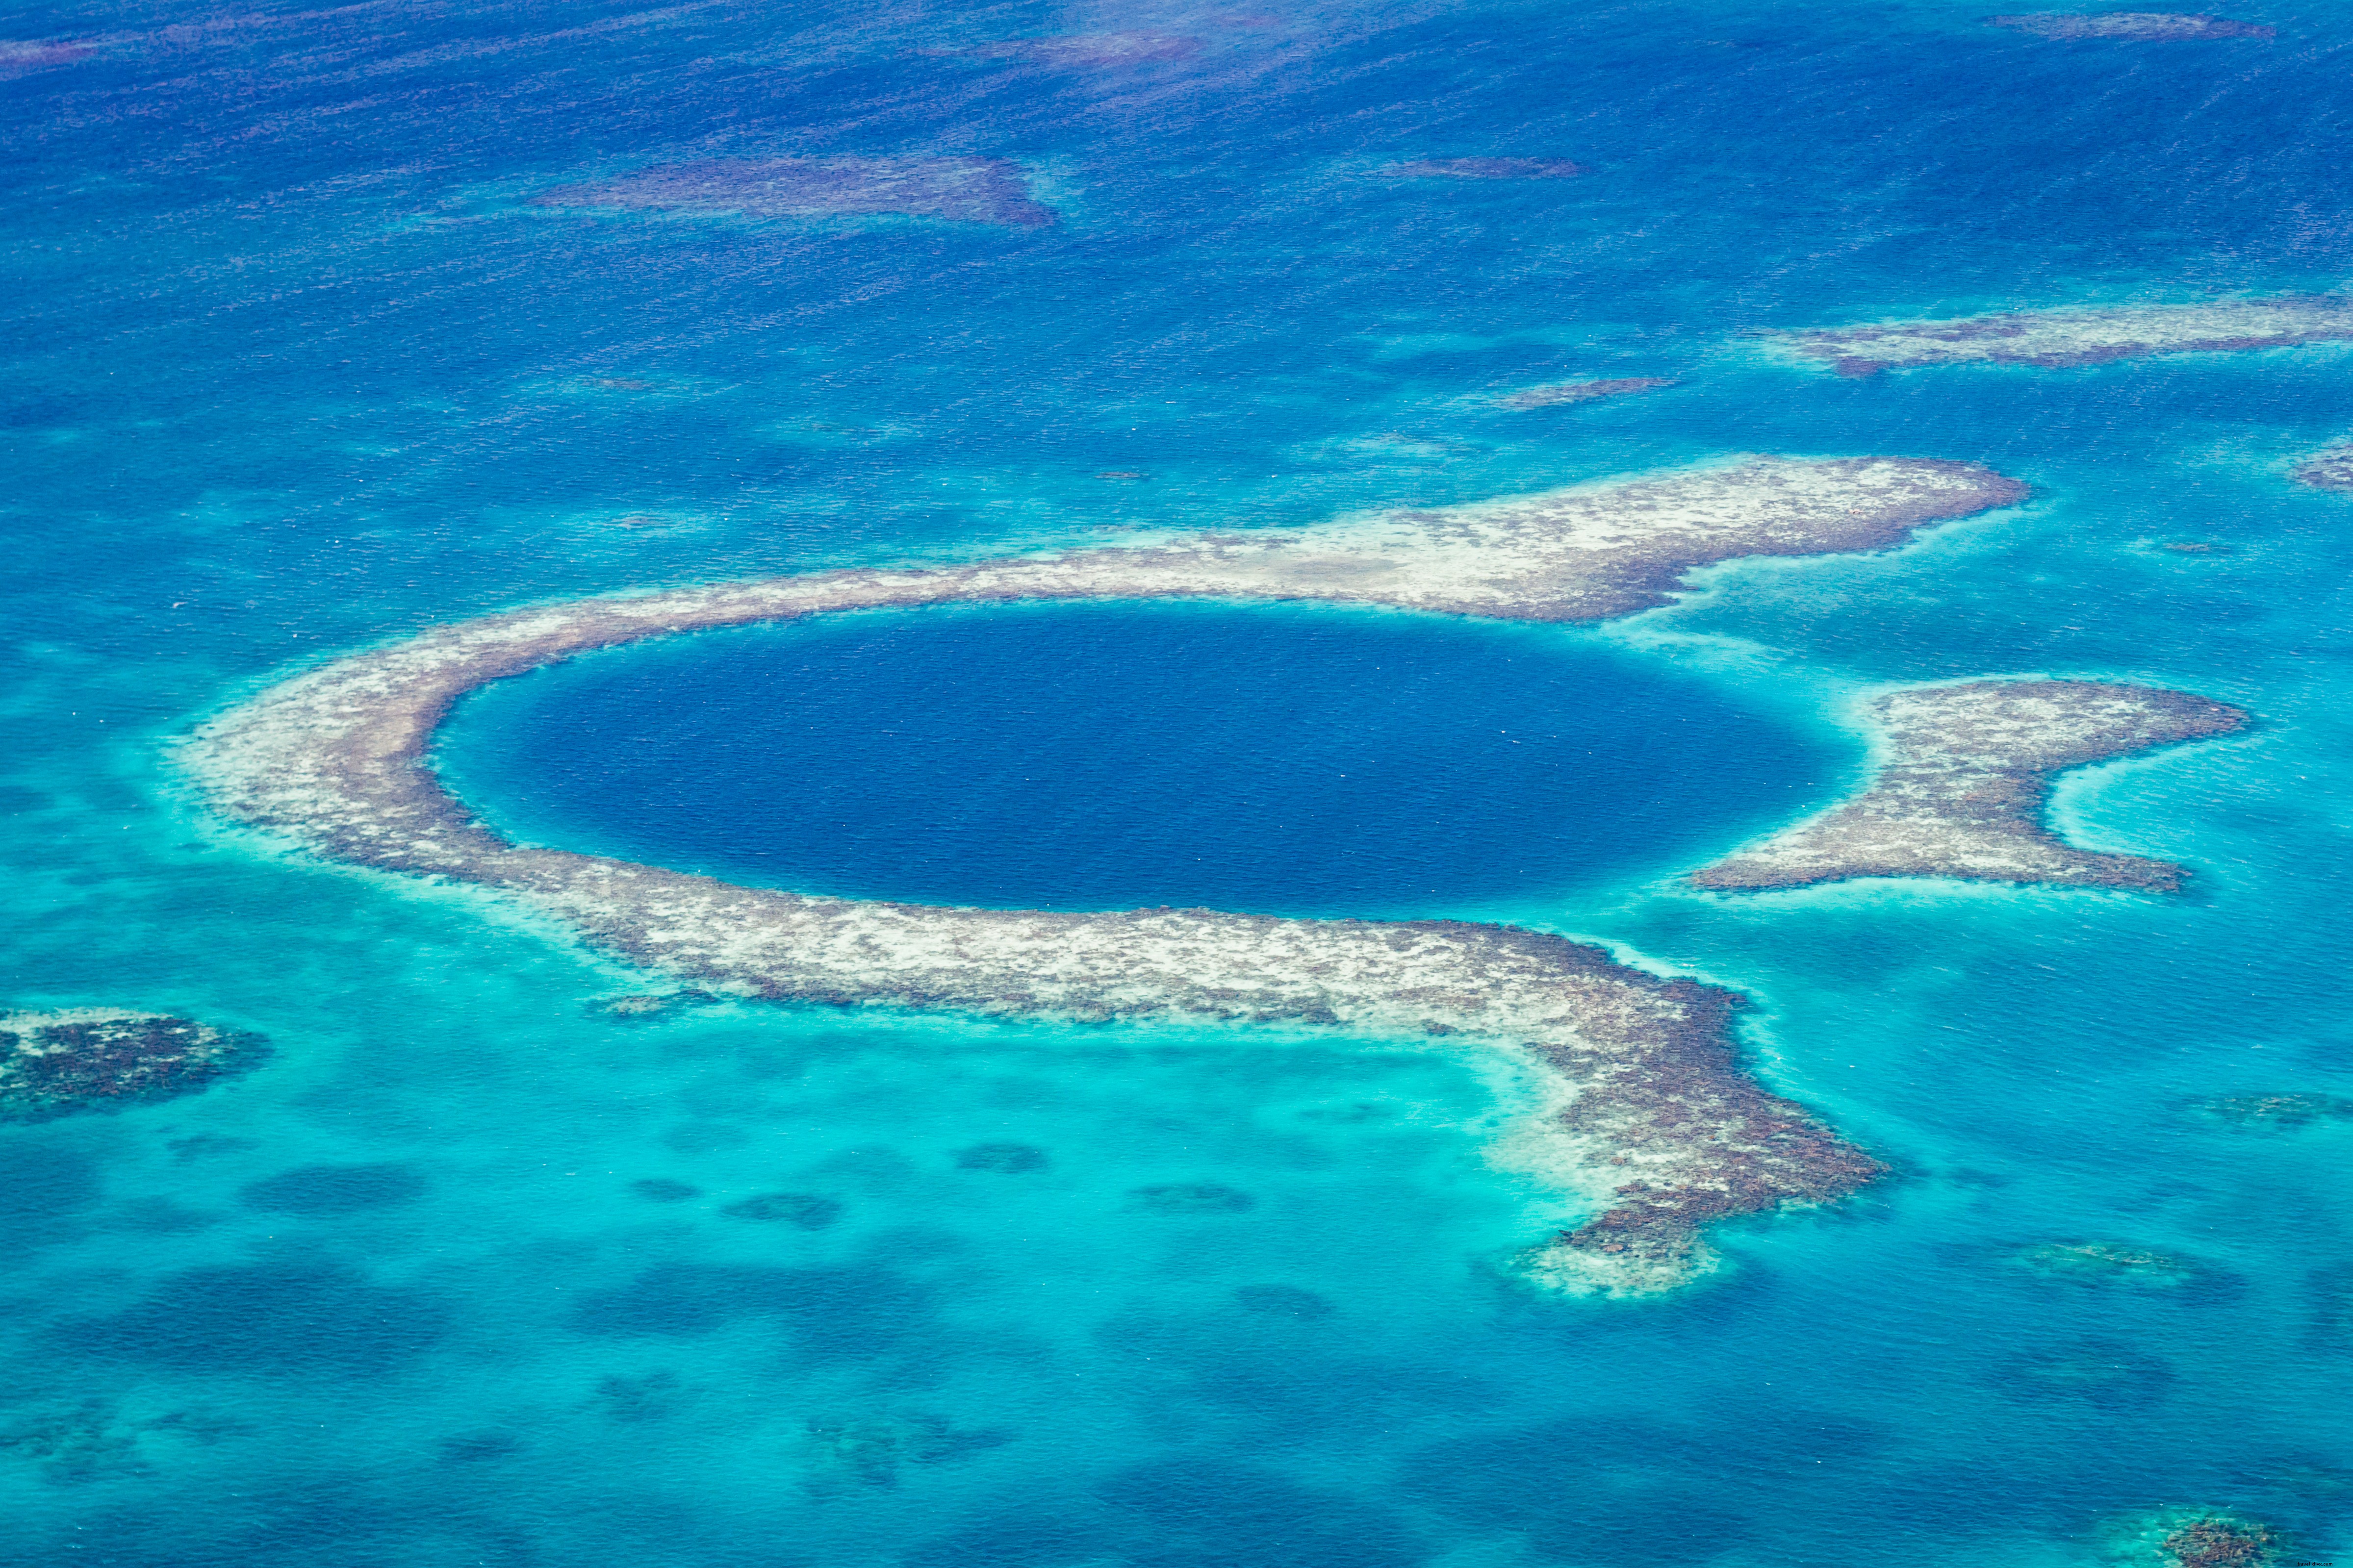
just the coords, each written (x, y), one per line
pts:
(293, 365)
(1271, 760)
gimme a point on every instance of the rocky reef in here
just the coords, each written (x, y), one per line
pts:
(969, 190)
(1581, 391)
(1484, 169)
(1959, 791)
(1654, 1124)
(2193, 1537)
(2057, 339)
(91, 1058)
(2141, 27)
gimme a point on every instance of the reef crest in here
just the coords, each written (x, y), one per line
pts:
(1960, 791)
(2057, 339)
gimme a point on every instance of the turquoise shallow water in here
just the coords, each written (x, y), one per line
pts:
(294, 367)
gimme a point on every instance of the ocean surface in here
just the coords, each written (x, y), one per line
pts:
(471, 1271)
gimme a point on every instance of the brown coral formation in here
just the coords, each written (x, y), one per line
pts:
(1961, 790)
(968, 190)
(53, 1064)
(1656, 1124)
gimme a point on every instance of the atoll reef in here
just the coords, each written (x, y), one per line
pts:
(1484, 169)
(1960, 791)
(2327, 471)
(969, 190)
(88, 1058)
(2058, 339)
(2146, 27)
(1661, 1130)
(1581, 391)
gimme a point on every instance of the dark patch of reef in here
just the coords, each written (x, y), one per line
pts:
(1009, 1159)
(2133, 26)
(871, 1450)
(101, 1058)
(803, 1211)
(1190, 1197)
(965, 190)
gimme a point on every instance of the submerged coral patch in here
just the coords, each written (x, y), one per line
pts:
(91, 1059)
(805, 1210)
(2278, 1111)
(2327, 471)
(2142, 27)
(2108, 1262)
(1009, 1159)
(1484, 169)
(967, 190)
(2053, 340)
(1561, 392)
(1191, 1197)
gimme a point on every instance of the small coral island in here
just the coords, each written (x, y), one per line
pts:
(2058, 339)
(91, 1059)
(1655, 1127)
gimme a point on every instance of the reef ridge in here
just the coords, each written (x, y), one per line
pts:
(1653, 1122)
(1581, 391)
(1960, 792)
(2140, 27)
(969, 190)
(2058, 339)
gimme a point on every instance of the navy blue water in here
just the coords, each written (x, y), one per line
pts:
(1276, 761)
(294, 365)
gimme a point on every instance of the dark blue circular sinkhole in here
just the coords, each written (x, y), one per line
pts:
(1283, 759)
